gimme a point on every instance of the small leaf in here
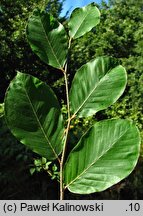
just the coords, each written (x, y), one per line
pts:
(33, 115)
(82, 20)
(37, 162)
(47, 38)
(54, 167)
(32, 170)
(38, 169)
(53, 177)
(97, 84)
(105, 155)
(44, 160)
(47, 165)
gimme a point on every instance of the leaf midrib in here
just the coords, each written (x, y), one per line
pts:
(96, 160)
(101, 80)
(39, 123)
(84, 17)
(50, 45)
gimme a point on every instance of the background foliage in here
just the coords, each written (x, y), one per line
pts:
(119, 34)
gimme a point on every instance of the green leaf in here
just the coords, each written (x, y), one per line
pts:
(105, 155)
(47, 38)
(32, 170)
(37, 162)
(46, 167)
(97, 84)
(33, 115)
(82, 20)
(38, 169)
(43, 160)
(1, 109)
(54, 168)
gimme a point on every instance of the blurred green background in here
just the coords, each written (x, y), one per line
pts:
(119, 34)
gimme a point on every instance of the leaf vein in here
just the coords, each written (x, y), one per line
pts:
(78, 27)
(90, 94)
(50, 45)
(95, 160)
(39, 124)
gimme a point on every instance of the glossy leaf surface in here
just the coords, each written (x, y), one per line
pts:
(33, 115)
(82, 20)
(96, 85)
(105, 155)
(47, 38)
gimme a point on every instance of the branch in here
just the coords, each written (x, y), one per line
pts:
(67, 129)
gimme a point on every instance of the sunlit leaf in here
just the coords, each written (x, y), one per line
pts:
(105, 155)
(96, 85)
(47, 38)
(82, 20)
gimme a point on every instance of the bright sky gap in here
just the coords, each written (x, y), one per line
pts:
(70, 5)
